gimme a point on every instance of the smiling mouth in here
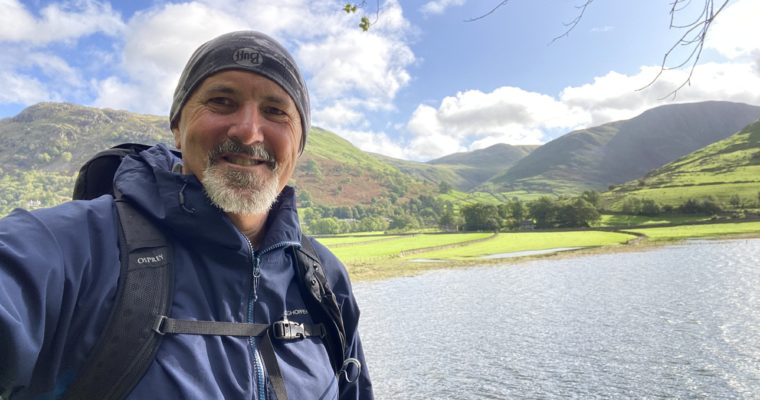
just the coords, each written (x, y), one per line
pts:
(246, 161)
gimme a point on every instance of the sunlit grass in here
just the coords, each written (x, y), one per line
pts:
(636, 220)
(689, 231)
(346, 240)
(363, 252)
(522, 241)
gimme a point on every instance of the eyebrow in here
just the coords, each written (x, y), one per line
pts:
(227, 89)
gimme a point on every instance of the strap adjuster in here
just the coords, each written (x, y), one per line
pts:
(159, 325)
(288, 330)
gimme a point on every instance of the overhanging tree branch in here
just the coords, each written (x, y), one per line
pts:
(504, 2)
(572, 24)
(695, 35)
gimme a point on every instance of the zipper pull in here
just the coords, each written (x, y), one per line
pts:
(256, 276)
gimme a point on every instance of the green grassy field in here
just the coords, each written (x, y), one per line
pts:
(677, 195)
(391, 256)
(617, 220)
(522, 241)
(697, 231)
(725, 168)
(336, 241)
(394, 247)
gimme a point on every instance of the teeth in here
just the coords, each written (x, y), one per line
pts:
(242, 161)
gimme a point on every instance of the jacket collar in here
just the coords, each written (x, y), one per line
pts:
(180, 205)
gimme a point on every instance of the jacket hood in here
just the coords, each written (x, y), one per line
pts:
(180, 203)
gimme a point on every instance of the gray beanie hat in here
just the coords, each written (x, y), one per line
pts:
(247, 51)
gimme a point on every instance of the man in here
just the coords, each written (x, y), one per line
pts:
(240, 116)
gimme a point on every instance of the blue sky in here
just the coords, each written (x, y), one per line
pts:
(422, 83)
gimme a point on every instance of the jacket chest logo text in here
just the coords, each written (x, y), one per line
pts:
(247, 57)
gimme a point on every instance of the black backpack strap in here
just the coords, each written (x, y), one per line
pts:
(128, 343)
(95, 177)
(321, 302)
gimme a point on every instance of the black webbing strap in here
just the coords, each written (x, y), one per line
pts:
(321, 301)
(281, 330)
(273, 368)
(128, 345)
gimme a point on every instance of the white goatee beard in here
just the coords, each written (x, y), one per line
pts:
(239, 192)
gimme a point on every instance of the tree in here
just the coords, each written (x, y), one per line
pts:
(592, 196)
(444, 187)
(650, 208)
(403, 222)
(515, 213)
(324, 226)
(575, 213)
(481, 217)
(372, 224)
(632, 206)
(543, 212)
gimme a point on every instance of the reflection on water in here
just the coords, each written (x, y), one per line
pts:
(675, 322)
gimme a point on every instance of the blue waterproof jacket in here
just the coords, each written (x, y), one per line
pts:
(59, 269)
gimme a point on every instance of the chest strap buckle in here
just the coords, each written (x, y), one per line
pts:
(289, 330)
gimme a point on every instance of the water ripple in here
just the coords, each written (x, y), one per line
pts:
(676, 322)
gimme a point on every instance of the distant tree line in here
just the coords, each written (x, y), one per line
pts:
(430, 212)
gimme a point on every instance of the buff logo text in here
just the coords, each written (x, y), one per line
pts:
(247, 56)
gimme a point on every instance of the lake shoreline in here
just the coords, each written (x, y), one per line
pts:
(399, 268)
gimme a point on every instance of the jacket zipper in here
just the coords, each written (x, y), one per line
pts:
(255, 278)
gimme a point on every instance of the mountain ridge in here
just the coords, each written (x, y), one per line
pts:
(613, 153)
(57, 138)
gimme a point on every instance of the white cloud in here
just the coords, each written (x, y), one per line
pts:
(375, 142)
(428, 147)
(157, 44)
(616, 96)
(22, 89)
(735, 31)
(337, 116)
(348, 71)
(57, 22)
(472, 120)
(439, 6)
(30, 76)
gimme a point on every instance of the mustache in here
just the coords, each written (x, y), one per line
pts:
(258, 151)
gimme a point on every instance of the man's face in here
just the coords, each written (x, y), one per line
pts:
(239, 134)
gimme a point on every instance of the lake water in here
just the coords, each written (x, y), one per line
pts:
(681, 321)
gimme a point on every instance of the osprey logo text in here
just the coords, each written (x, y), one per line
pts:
(150, 259)
(247, 57)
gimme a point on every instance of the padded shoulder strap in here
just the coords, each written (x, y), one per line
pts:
(128, 343)
(95, 177)
(321, 301)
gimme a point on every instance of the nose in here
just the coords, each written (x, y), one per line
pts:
(247, 125)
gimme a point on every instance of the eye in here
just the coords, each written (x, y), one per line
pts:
(220, 101)
(275, 111)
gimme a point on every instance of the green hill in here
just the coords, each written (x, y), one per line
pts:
(42, 148)
(478, 166)
(730, 167)
(333, 172)
(463, 171)
(617, 152)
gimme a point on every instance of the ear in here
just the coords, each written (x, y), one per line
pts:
(177, 137)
